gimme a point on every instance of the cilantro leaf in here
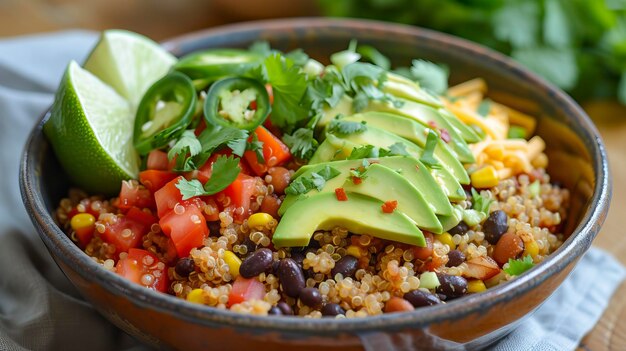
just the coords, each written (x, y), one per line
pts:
(365, 151)
(430, 76)
(398, 149)
(187, 143)
(256, 146)
(302, 143)
(428, 157)
(480, 203)
(298, 56)
(190, 188)
(519, 266)
(361, 171)
(288, 86)
(557, 65)
(223, 172)
(484, 107)
(213, 137)
(262, 48)
(517, 23)
(337, 126)
(371, 54)
(317, 180)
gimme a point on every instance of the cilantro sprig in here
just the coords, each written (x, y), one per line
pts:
(223, 172)
(519, 266)
(480, 203)
(315, 180)
(371, 151)
(301, 143)
(428, 157)
(257, 146)
(337, 126)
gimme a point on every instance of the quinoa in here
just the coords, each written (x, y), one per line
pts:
(385, 268)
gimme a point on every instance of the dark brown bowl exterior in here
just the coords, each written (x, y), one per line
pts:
(578, 160)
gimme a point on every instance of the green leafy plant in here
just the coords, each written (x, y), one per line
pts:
(579, 45)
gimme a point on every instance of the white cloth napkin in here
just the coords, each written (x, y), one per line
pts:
(41, 310)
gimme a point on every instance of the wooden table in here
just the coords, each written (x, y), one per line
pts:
(154, 19)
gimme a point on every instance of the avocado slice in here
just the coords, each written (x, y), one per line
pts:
(387, 185)
(425, 115)
(408, 167)
(381, 183)
(416, 133)
(359, 214)
(405, 88)
(343, 107)
(450, 221)
(382, 138)
(468, 133)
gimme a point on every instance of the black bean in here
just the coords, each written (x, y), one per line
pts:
(275, 265)
(455, 258)
(275, 311)
(442, 297)
(495, 225)
(249, 244)
(460, 228)
(214, 228)
(285, 308)
(297, 256)
(419, 298)
(185, 266)
(291, 277)
(332, 309)
(311, 297)
(258, 262)
(347, 266)
(451, 286)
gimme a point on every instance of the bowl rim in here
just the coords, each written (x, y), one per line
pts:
(569, 252)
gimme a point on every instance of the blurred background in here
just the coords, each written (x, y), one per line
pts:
(579, 45)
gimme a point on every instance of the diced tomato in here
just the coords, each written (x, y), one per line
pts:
(357, 180)
(424, 253)
(389, 206)
(141, 266)
(126, 232)
(167, 197)
(187, 229)
(157, 159)
(155, 179)
(246, 289)
(240, 192)
(134, 194)
(341, 194)
(275, 152)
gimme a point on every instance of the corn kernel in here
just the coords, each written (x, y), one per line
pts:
(259, 220)
(531, 248)
(476, 286)
(446, 239)
(233, 262)
(83, 221)
(486, 177)
(196, 296)
(353, 251)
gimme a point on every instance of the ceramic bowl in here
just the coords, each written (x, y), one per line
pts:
(577, 160)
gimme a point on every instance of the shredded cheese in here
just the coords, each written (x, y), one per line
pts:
(508, 157)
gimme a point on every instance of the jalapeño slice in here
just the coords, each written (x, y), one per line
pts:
(239, 102)
(165, 111)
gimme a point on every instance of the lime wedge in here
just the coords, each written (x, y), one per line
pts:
(128, 62)
(91, 131)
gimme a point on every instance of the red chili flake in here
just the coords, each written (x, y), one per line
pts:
(432, 124)
(341, 194)
(357, 180)
(389, 206)
(445, 136)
